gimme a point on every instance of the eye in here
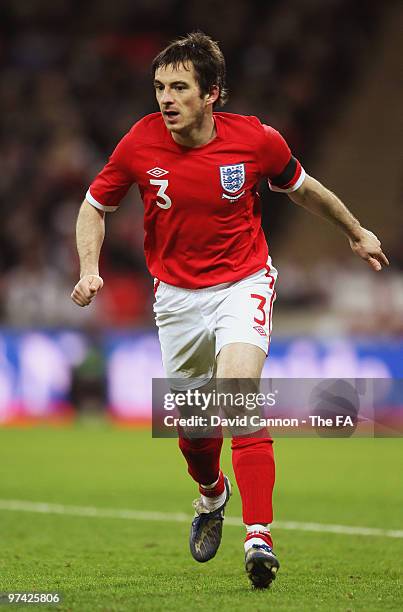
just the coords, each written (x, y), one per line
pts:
(179, 87)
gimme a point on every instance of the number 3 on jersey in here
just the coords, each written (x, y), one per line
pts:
(163, 184)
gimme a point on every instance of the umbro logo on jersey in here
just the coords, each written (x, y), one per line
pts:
(157, 172)
(260, 330)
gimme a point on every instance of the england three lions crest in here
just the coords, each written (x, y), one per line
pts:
(232, 177)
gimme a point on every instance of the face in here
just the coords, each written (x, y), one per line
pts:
(182, 105)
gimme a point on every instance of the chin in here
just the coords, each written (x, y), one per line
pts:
(173, 128)
(176, 129)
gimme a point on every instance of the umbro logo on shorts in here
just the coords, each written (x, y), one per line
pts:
(260, 330)
(157, 172)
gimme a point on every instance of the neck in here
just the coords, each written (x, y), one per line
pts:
(197, 135)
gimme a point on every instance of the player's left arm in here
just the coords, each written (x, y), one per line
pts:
(316, 198)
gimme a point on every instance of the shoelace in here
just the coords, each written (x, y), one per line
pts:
(264, 547)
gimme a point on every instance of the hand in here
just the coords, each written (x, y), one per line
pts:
(366, 245)
(86, 289)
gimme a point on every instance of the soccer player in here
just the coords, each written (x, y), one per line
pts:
(197, 172)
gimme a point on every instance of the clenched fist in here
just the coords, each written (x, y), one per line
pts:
(86, 289)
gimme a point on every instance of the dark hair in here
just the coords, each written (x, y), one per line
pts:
(206, 57)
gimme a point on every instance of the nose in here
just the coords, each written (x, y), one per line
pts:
(166, 97)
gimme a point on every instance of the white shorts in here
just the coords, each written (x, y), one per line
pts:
(194, 324)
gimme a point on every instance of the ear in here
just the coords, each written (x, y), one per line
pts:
(213, 95)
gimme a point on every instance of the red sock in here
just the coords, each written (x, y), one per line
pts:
(253, 462)
(265, 536)
(203, 458)
(216, 490)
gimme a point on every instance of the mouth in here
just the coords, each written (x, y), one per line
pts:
(171, 116)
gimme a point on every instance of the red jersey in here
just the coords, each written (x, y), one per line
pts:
(202, 215)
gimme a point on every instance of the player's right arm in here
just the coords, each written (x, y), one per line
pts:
(104, 195)
(90, 233)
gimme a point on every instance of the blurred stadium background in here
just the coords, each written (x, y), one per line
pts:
(75, 76)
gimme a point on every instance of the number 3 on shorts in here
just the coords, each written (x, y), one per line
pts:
(163, 184)
(262, 302)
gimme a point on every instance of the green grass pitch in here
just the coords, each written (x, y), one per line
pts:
(107, 564)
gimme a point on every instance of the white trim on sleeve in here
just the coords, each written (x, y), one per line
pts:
(96, 204)
(290, 189)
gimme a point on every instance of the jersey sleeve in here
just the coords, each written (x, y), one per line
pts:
(283, 170)
(113, 182)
